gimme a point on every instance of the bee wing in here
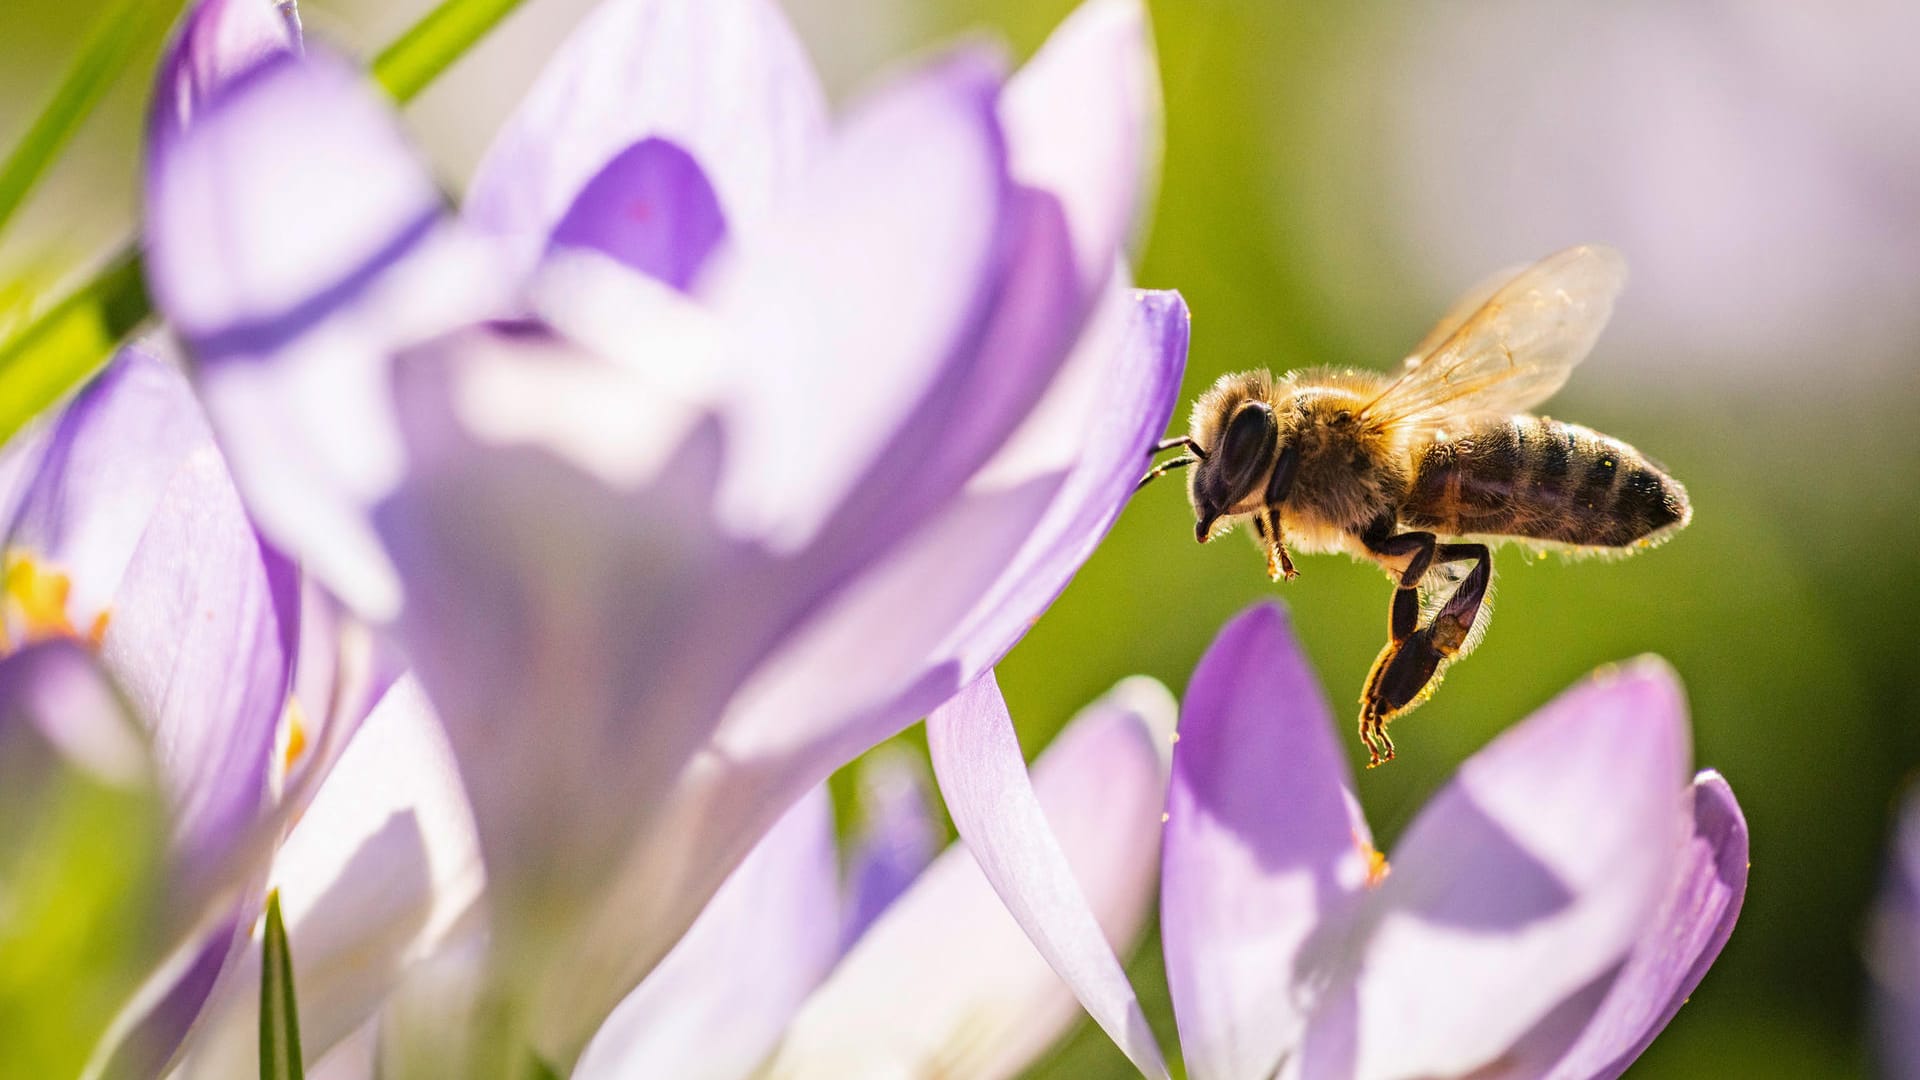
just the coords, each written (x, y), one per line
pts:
(1516, 348)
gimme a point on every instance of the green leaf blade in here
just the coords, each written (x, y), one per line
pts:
(279, 1014)
(431, 46)
(115, 37)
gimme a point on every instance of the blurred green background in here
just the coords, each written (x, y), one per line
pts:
(1333, 175)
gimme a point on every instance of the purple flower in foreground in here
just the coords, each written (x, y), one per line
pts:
(1894, 950)
(1544, 916)
(124, 536)
(942, 980)
(712, 445)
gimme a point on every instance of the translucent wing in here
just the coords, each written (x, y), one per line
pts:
(1516, 349)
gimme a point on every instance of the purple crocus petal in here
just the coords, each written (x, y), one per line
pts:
(1678, 946)
(381, 870)
(298, 187)
(1531, 874)
(201, 637)
(295, 242)
(976, 758)
(996, 1005)
(650, 208)
(896, 839)
(851, 303)
(718, 1002)
(218, 43)
(55, 701)
(101, 470)
(1097, 423)
(1083, 122)
(1264, 843)
(1893, 949)
(726, 80)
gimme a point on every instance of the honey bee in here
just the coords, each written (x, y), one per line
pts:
(1421, 470)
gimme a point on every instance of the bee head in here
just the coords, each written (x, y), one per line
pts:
(1236, 466)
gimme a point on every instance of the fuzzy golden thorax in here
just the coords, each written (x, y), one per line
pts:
(1347, 471)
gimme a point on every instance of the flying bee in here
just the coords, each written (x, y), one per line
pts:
(1421, 470)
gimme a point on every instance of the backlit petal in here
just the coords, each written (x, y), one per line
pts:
(995, 1005)
(1264, 845)
(719, 1001)
(976, 757)
(1531, 874)
(726, 80)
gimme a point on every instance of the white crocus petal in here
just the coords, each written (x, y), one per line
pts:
(381, 870)
(718, 1002)
(945, 982)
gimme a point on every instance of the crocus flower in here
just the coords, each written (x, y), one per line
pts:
(713, 444)
(125, 538)
(1893, 951)
(940, 980)
(1544, 916)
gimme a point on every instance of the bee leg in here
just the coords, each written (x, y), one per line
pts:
(1386, 693)
(1453, 623)
(1406, 555)
(1407, 667)
(1267, 523)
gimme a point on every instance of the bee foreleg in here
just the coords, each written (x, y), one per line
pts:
(1279, 565)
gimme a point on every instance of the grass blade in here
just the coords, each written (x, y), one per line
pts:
(279, 1018)
(119, 31)
(435, 42)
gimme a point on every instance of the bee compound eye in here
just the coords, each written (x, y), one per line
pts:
(1245, 450)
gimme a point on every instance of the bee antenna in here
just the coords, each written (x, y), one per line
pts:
(1166, 467)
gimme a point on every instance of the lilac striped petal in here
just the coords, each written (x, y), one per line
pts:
(380, 871)
(99, 473)
(1083, 122)
(650, 208)
(202, 637)
(851, 304)
(719, 1001)
(726, 80)
(218, 43)
(996, 1005)
(295, 241)
(897, 836)
(1531, 874)
(976, 757)
(1893, 949)
(297, 188)
(1264, 845)
(1678, 946)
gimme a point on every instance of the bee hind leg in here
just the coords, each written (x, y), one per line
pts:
(1407, 668)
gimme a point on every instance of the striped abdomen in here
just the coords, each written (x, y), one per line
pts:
(1541, 479)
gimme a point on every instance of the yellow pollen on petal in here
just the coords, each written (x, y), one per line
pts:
(1377, 868)
(33, 604)
(293, 725)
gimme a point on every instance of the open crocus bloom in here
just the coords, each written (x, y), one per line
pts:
(710, 445)
(1544, 916)
(125, 541)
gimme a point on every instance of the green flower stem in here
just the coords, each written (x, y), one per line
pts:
(70, 341)
(279, 1016)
